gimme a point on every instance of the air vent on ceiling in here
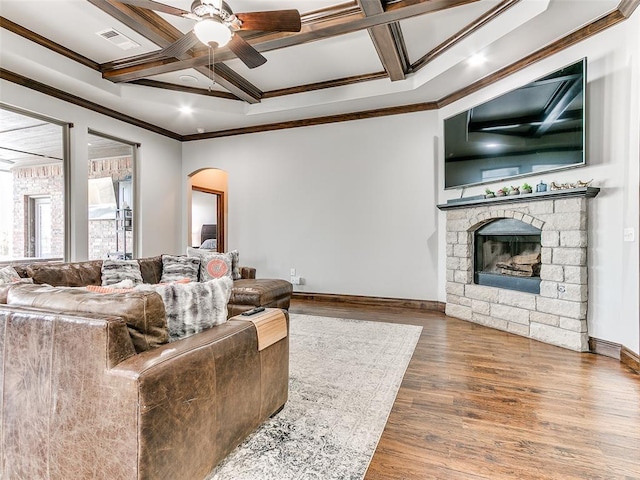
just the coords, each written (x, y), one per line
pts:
(118, 39)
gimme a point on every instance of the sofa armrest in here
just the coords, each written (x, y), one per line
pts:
(197, 399)
(136, 366)
(247, 273)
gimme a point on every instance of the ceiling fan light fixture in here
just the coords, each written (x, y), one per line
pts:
(210, 31)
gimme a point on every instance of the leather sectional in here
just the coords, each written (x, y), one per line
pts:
(81, 398)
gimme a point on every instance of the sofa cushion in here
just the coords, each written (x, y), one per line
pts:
(66, 274)
(115, 271)
(176, 268)
(5, 287)
(212, 264)
(193, 307)
(142, 311)
(257, 292)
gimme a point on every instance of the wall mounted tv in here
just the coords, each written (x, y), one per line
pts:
(533, 129)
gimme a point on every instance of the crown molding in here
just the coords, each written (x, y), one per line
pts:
(624, 10)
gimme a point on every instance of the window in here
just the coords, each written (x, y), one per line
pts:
(111, 197)
(33, 185)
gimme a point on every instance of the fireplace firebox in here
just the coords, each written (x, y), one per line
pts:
(507, 255)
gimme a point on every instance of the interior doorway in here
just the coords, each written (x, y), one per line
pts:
(207, 218)
(207, 209)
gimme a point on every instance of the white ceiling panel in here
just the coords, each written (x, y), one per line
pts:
(424, 33)
(328, 59)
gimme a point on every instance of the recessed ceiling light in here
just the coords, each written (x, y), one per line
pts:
(188, 79)
(186, 109)
(477, 59)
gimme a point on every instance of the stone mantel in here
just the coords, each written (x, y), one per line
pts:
(466, 202)
(558, 314)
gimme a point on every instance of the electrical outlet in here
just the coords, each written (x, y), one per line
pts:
(629, 235)
(293, 272)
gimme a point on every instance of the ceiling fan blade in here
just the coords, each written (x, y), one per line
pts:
(245, 52)
(158, 7)
(180, 46)
(272, 21)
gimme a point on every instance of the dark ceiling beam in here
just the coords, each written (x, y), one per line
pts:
(339, 82)
(375, 113)
(21, 80)
(145, 22)
(324, 27)
(155, 28)
(465, 32)
(388, 41)
(180, 88)
(45, 42)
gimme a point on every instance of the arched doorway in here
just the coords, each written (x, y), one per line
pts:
(207, 208)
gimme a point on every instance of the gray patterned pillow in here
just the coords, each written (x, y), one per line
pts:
(115, 271)
(212, 264)
(235, 265)
(207, 303)
(176, 268)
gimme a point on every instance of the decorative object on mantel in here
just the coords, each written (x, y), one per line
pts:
(489, 193)
(541, 187)
(501, 192)
(588, 192)
(514, 190)
(565, 186)
(526, 188)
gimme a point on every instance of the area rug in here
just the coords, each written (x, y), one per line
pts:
(344, 377)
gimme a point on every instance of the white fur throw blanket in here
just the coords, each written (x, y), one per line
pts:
(193, 307)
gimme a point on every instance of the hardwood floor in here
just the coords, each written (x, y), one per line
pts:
(478, 403)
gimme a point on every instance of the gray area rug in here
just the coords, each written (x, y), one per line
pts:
(344, 377)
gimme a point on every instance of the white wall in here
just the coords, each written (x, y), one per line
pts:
(158, 173)
(613, 123)
(351, 205)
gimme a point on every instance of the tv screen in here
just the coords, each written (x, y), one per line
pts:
(533, 129)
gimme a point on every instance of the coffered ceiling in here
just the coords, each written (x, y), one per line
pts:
(348, 58)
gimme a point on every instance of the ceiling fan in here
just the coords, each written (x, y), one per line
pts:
(217, 26)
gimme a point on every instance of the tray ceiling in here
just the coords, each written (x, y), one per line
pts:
(348, 57)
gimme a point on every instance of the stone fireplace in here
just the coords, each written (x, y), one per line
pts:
(520, 264)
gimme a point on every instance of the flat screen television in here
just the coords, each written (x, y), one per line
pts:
(534, 129)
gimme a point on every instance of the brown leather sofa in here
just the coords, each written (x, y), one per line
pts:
(78, 401)
(247, 293)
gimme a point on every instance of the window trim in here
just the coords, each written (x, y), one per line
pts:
(134, 185)
(66, 167)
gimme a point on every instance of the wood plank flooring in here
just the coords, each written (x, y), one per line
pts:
(478, 403)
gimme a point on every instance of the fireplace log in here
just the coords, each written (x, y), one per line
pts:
(525, 265)
(526, 259)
